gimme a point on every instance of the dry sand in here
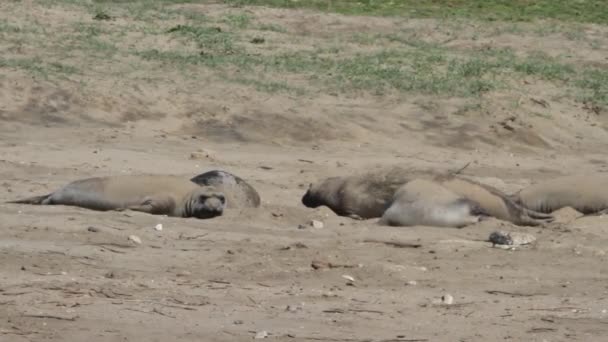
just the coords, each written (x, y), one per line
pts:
(69, 274)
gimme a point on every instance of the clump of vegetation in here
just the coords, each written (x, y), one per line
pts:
(592, 11)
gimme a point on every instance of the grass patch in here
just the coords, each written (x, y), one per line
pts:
(267, 86)
(238, 21)
(272, 28)
(359, 61)
(212, 40)
(593, 11)
(38, 67)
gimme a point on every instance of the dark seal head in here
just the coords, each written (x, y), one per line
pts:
(326, 192)
(204, 204)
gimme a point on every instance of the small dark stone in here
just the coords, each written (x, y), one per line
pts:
(102, 16)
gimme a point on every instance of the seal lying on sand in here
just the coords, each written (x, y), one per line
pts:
(493, 201)
(368, 195)
(361, 196)
(587, 194)
(426, 203)
(153, 194)
(238, 193)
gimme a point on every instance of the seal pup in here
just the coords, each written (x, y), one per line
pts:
(238, 193)
(493, 201)
(426, 203)
(153, 194)
(361, 196)
(588, 194)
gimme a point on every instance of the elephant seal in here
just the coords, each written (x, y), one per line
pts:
(426, 203)
(153, 194)
(587, 194)
(493, 201)
(238, 193)
(362, 196)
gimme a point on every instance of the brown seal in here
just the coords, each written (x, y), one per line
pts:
(153, 194)
(426, 203)
(586, 193)
(238, 193)
(361, 196)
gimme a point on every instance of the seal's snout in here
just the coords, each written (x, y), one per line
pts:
(215, 203)
(309, 200)
(210, 206)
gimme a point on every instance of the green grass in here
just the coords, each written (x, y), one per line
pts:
(420, 67)
(39, 67)
(377, 62)
(594, 11)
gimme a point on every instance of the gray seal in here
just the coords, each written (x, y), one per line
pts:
(426, 203)
(493, 201)
(153, 194)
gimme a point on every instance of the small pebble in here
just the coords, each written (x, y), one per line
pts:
(158, 227)
(447, 299)
(292, 308)
(135, 239)
(316, 224)
(349, 278)
(261, 334)
(412, 283)
(93, 229)
(238, 322)
(301, 226)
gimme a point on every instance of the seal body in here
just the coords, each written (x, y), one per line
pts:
(493, 201)
(360, 196)
(238, 193)
(587, 194)
(426, 203)
(154, 194)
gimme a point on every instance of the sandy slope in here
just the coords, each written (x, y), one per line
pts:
(228, 278)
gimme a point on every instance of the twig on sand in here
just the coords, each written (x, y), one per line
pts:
(61, 318)
(563, 308)
(22, 333)
(515, 294)
(153, 311)
(393, 243)
(361, 339)
(457, 172)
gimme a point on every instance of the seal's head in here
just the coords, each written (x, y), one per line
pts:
(206, 204)
(325, 192)
(311, 198)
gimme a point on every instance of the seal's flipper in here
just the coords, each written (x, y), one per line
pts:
(147, 206)
(538, 215)
(39, 200)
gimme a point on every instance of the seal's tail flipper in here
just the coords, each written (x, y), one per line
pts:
(31, 200)
(538, 215)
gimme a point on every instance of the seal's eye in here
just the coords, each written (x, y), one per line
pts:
(221, 198)
(202, 198)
